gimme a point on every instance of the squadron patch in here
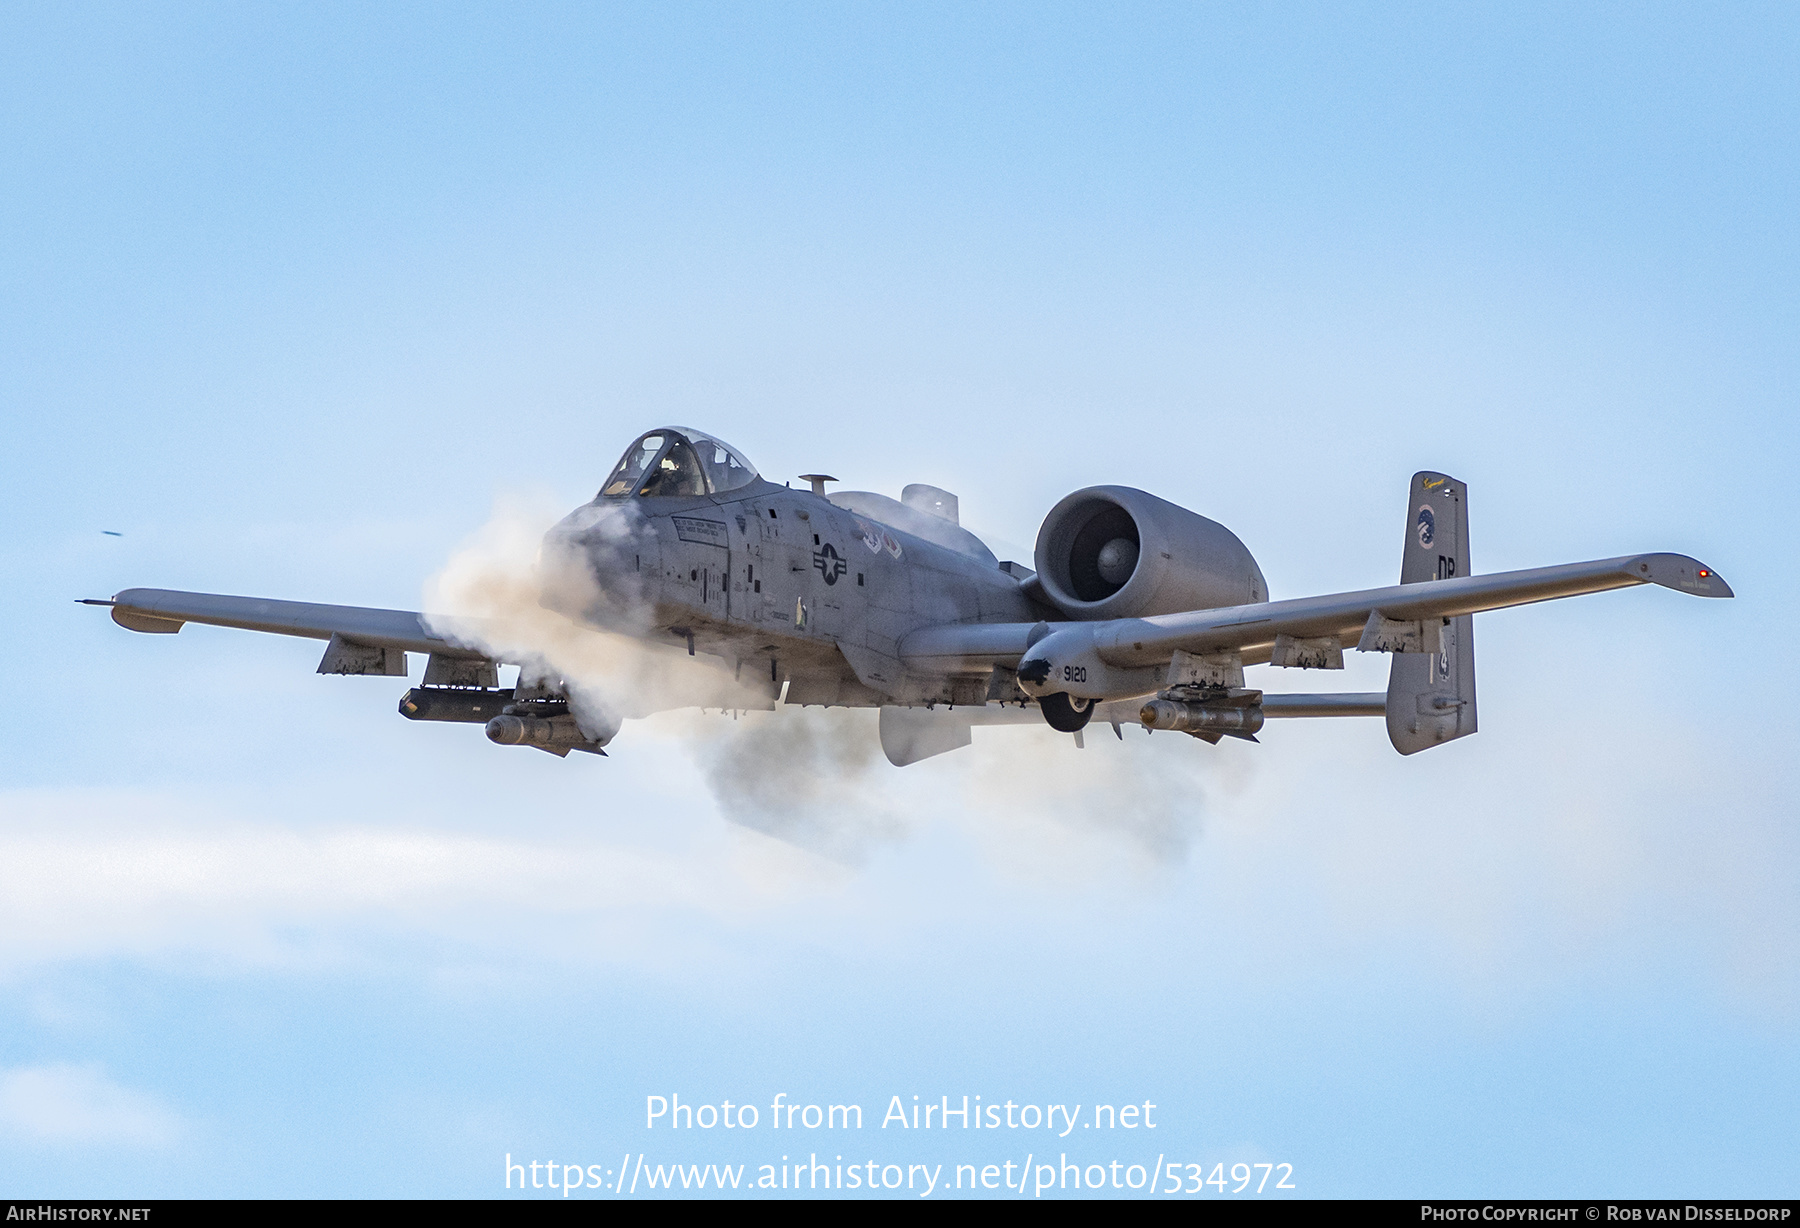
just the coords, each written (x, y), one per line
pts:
(1427, 526)
(876, 538)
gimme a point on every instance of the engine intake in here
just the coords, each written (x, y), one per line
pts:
(1117, 552)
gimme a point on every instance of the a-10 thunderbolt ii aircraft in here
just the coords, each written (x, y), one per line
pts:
(1137, 610)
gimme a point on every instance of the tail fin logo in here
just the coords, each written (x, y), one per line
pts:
(1427, 526)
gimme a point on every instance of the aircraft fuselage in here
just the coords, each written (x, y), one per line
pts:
(788, 585)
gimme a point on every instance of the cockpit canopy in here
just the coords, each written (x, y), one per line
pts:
(678, 461)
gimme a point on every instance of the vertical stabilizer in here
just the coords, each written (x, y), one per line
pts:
(1431, 695)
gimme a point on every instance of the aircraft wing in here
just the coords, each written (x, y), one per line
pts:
(363, 640)
(1251, 630)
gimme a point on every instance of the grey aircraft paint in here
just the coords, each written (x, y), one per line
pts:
(1136, 610)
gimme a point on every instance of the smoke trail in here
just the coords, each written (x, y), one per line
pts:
(812, 777)
(816, 778)
(807, 776)
(1047, 803)
(507, 594)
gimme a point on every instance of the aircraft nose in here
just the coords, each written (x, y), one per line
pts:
(591, 566)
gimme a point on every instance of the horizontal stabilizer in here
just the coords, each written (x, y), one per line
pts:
(1350, 703)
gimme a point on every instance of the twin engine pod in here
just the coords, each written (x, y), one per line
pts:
(1201, 718)
(1119, 552)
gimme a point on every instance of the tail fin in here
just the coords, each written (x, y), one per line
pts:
(1431, 696)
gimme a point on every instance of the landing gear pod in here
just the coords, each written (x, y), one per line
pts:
(1065, 713)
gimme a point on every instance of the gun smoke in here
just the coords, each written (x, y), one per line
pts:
(813, 777)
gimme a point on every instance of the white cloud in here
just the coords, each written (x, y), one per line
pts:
(62, 1102)
(1313, 850)
(86, 874)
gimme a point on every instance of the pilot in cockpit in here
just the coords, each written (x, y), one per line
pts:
(674, 462)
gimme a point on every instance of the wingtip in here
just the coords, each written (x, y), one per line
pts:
(1681, 573)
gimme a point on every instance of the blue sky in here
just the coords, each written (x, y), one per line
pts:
(299, 298)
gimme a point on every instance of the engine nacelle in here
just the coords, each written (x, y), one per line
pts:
(1116, 552)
